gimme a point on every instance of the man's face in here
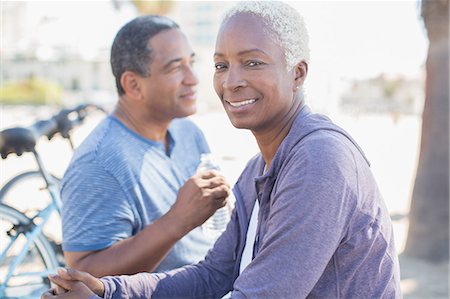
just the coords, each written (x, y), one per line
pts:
(169, 92)
(250, 77)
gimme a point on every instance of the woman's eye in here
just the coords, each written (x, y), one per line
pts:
(254, 63)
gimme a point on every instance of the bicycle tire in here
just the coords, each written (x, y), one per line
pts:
(40, 258)
(8, 187)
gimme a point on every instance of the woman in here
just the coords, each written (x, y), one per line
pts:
(309, 219)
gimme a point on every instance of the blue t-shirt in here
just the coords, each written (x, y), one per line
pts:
(118, 182)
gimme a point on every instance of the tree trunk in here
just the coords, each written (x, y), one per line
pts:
(428, 235)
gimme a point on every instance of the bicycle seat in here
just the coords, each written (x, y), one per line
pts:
(16, 140)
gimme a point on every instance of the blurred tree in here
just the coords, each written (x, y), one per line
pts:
(428, 236)
(32, 90)
(157, 7)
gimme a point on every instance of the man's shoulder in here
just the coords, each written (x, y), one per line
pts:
(105, 140)
(96, 137)
(106, 144)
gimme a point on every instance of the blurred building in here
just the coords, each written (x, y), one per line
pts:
(385, 94)
(69, 43)
(39, 39)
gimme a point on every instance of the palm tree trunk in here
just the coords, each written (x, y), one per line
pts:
(428, 235)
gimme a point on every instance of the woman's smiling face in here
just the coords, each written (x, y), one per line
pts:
(251, 77)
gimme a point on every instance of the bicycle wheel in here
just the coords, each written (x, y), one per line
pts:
(23, 186)
(29, 278)
(18, 191)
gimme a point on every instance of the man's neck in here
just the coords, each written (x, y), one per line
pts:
(142, 122)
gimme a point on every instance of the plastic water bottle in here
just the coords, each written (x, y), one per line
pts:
(216, 224)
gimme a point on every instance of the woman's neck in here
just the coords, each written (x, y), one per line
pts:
(269, 141)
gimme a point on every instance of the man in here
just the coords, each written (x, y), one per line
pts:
(132, 200)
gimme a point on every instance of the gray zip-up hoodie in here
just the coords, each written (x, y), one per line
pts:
(323, 229)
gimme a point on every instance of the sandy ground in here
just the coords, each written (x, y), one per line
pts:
(391, 145)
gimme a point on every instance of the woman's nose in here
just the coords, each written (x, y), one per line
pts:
(233, 79)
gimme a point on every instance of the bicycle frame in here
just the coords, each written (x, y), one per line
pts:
(31, 235)
(19, 140)
(50, 185)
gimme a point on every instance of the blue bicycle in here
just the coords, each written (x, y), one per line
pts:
(27, 255)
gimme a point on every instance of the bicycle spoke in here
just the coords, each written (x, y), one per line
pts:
(27, 256)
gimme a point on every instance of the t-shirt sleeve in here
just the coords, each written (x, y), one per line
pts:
(95, 210)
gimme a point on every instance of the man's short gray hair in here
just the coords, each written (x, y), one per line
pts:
(283, 22)
(131, 51)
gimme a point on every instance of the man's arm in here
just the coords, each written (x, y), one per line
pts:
(197, 200)
(211, 278)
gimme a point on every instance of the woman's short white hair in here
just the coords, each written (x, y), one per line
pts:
(283, 22)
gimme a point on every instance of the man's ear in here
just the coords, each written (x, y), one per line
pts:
(131, 84)
(300, 71)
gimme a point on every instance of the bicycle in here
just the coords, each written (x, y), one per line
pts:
(67, 119)
(27, 256)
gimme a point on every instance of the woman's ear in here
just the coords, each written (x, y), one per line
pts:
(300, 71)
(130, 84)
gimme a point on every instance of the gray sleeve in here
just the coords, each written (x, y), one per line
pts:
(138, 286)
(95, 212)
(309, 212)
(211, 278)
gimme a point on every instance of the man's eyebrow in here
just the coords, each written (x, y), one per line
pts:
(175, 60)
(218, 54)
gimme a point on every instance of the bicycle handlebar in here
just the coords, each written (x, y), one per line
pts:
(67, 119)
(19, 140)
(47, 128)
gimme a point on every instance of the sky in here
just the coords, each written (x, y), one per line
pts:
(365, 38)
(355, 38)
(85, 26)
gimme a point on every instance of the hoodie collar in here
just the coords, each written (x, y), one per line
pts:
(304, 124)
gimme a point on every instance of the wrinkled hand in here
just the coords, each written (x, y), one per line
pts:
(71, 283)
(200, 197)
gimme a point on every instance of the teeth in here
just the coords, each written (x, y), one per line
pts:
(239, 104)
